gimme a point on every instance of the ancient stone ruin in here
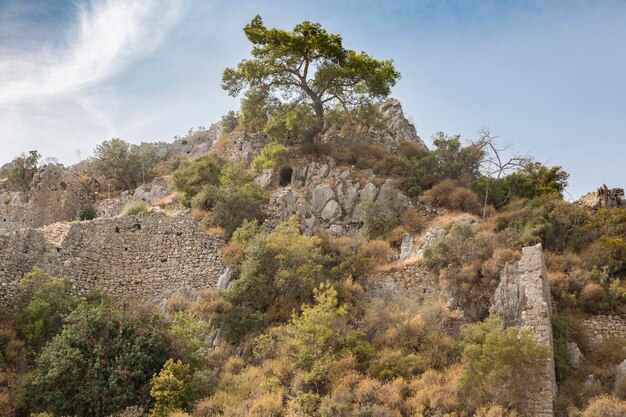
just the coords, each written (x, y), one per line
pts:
(145, 256)
(522, 299)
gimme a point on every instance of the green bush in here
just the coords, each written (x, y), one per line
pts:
(170, 388)
(133, 208)
(500, 364)
(191, 176)
(99, 364)
(271, 156)
(230, 121)
(87, 213)
(450, 195)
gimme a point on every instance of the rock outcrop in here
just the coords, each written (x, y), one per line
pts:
(604, 197)
(522, 299)
(324, 196)
(397, 129)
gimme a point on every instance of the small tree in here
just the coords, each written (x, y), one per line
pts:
(170, 388)
(23, 169)
(305, 66)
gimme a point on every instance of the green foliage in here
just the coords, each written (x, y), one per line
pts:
(279, 270)
(449, 160)
(230, 121)
(190, 337)
(288, 121)
(231, 206)
(313, 332)
(379, 218)
(191, 176)
(88, 212)
(563, 332)
(305, 66)
(132, 208)
(49, 304)
(100, 363)
(247, 231)
(170, 388)
(500, 364)
(530, 181)
(271, 156)
(22, 169)
(124, 164)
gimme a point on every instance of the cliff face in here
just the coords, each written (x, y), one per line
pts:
(522, 299)
(604, 197)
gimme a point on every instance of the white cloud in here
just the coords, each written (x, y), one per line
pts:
(107, 36)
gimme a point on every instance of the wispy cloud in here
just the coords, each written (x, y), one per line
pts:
(107, 35)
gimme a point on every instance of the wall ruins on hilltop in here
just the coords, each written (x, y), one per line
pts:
(146, 256)
(522, 299)
(56, 194)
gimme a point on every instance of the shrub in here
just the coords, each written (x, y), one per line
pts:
(87, 213)
(378, 252)
(606, 252)
(605, 406)
(135, 350)
(271, 156)
(379, 218)
(133, 208)
(500, 364)
(233, 205)
(191, 176)
(230, 121)
(450, 195)
(48, 306)
(593, 297)
(170, 388)
(364, 156)
(412, 221)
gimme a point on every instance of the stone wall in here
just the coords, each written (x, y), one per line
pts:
(56, 194)
(412, 281)
(522, 299)
(602, 327)
(145, 256)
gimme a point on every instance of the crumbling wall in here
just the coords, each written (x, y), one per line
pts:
(56, 194)
(602, 327)
(145, 256)
(522, 299)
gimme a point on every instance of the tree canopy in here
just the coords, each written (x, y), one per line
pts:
(304, 71)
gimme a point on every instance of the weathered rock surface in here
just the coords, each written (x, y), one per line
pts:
(522, 299)
(325, 196)
(56, 194)
(143, 256)
(620, 377)
(397, 129)
(604, 197)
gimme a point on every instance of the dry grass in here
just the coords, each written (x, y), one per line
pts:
(214, 231)
(221, 144)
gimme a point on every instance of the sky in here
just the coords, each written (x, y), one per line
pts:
(547, 77)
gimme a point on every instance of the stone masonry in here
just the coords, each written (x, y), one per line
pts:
(522, 299)
(602, 327)
(145, 256)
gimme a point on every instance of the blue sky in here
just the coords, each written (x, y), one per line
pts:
(548, 77)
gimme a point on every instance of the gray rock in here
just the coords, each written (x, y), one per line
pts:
(264, 179)
(575, 354)
(620, 376)
(369, 192)
(321, 195)
(406, 247)
(331, 211)
(224, 279)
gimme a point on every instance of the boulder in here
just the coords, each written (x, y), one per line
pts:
(320, 196)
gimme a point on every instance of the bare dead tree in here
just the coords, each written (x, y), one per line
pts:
(494, 163)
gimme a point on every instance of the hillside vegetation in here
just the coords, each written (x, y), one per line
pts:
(297, 331)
